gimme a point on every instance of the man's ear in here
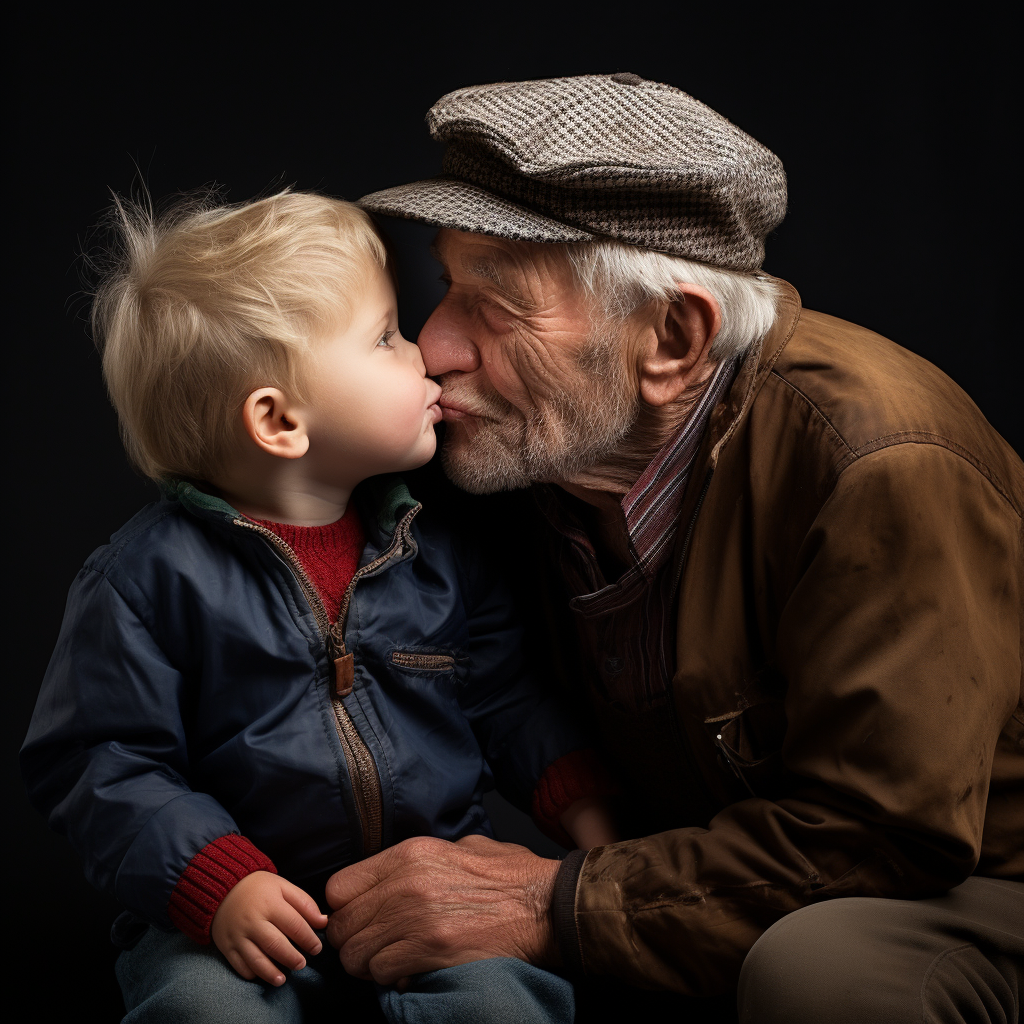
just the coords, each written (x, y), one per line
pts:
(275, 424)
(678, 343)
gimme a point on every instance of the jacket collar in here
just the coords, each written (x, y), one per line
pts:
(754, 371)
(731, 411)
(382, 501)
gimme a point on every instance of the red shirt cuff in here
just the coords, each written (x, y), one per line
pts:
(572, 777)
(209, 877)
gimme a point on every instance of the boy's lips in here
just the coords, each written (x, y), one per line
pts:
(434, 408)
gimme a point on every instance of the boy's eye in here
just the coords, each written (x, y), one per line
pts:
(385, 340)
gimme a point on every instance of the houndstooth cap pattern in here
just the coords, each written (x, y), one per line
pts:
(612, 156)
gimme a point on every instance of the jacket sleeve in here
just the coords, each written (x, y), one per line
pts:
(106, 757)
(540, 757)
(899, 643)
(211, 874)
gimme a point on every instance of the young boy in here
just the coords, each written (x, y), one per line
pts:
(283, 665)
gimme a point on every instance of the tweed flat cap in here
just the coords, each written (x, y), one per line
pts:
(597, 156)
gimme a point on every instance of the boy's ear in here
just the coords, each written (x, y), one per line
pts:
(275, 424)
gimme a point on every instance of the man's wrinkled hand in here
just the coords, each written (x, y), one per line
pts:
(428, 903)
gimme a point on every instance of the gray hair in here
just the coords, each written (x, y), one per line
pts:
(623, 277)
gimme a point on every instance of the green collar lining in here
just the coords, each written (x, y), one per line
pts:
(384, 496)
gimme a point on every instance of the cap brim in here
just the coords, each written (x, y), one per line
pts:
(450, 203)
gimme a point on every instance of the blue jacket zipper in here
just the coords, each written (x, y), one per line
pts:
(362, 769)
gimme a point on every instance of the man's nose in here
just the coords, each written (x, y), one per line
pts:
(444, 344)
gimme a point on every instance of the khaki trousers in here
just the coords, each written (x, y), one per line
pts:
(948, 960)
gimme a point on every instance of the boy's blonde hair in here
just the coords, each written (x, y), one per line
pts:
(207, 303)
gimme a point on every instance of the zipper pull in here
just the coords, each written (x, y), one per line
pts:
(344, 674)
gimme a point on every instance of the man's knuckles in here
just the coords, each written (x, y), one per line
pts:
(413, 856)
(355, 962)
(420, 846)
(476, 842)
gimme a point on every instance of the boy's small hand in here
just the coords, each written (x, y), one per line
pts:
(258, 921)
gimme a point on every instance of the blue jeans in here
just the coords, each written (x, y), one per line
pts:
(168, 979)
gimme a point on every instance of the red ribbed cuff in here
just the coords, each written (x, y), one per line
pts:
(572, 777)
(209, 877)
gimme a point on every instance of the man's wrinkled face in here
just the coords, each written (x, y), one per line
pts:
(532, 389)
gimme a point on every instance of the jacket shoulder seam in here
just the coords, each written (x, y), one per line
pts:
(939, 441)
(134, 599)
(936, 441)
(114, 549)
(897, 438)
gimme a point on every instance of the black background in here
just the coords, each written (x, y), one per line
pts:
(894, 132)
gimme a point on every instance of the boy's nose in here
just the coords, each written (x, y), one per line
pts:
(417, 358)
(444, 345)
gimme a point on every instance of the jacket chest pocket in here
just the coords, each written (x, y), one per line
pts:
(424, 683)
(749, 748)
(423, 661)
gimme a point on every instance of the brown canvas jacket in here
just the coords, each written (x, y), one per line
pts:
(847, 694)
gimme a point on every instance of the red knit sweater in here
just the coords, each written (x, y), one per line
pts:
(328, 554)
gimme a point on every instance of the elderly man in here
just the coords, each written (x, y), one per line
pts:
(792, 554)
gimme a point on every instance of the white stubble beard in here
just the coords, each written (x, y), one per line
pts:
(569, 437)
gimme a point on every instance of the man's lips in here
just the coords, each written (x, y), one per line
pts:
(456, 411)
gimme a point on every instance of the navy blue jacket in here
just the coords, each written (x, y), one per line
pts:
(193, 693)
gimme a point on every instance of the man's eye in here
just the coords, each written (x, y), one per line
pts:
(496, 317)
(385, 340)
